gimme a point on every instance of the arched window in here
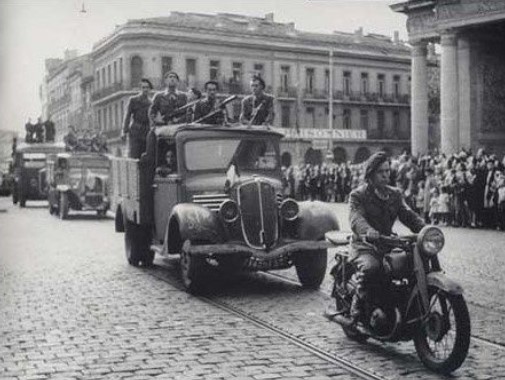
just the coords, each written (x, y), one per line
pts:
(136, 71)
(361, 155)
(286, 159)
(339, 155)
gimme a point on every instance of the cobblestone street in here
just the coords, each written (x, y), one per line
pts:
(71, 307)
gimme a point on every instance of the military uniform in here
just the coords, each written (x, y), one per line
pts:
(369, 212)
(49, 130)
(166, 103)
(136, 124)
(264, 115)
(206, 106)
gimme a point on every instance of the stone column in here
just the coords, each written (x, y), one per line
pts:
(449, 95)
(465, 118)
(419, 102)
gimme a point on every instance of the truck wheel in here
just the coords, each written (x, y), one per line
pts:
(14, 196)
(137, 241)
(63, 208)
(192, 270)
(22, 201)
(311, 268)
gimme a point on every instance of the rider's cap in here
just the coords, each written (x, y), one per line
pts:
(373, 163)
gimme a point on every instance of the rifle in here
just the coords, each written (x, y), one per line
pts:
(218, 109)
(179, 111)
(255, 113)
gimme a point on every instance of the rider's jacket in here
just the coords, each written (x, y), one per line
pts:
(368, 211)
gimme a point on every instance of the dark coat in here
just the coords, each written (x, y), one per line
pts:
(206, 106)
(136, 121)
(265, 115)
(166, 103)
(368, 212)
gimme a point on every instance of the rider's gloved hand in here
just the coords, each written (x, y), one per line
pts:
(372, 235)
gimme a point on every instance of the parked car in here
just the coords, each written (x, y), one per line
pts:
(78, 181)
(29, 171)
(213, 194)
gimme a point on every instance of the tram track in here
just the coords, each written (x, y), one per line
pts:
(476, 338)
(341, 362)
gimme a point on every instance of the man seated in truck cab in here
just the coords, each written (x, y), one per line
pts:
(168, 164)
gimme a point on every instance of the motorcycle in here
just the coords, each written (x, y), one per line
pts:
(415, 300)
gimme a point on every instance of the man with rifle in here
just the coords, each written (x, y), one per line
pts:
(203, 109)
(258, 108)
(168, 101)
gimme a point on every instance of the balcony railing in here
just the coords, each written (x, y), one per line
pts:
(106, 91)
(372, 97)
(286, 92)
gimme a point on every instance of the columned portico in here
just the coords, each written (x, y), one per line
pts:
(449, 94)
(464, 92)
(419, 108)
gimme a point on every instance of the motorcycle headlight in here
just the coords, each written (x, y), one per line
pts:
(431, 240)
(289, 209)
(229, 211)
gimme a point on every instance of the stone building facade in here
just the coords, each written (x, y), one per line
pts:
(472, 71)
(369, 77)
(66, 92)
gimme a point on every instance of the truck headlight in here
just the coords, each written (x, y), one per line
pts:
(289, 209)
(431, 240)
(229, 211)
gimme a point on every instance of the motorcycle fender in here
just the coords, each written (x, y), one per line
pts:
(192, 222)
(315, 219)
(441, 281)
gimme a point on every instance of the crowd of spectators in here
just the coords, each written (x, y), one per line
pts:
(460, 190)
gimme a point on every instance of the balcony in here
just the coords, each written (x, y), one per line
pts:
(106, 91)
(315, 94)
(286, 92)
(56, 104)
(371, 97)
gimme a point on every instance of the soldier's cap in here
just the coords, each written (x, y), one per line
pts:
(259, 79)
(167, 74)
(373, 163)
(148, 82)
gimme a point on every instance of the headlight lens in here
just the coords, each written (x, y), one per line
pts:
(431, 240)
(229, 211)
(289, 209)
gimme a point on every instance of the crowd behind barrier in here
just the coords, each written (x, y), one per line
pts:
(460, 190)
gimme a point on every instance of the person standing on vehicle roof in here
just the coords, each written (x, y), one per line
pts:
(374, 208)
(136, 121)
(168, 101)
(209, 104)
(258, 108)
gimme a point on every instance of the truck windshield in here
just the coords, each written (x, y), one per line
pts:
(34, 160)
(247, 154)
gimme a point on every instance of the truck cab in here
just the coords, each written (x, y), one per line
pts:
(212, 194)
(78, 181)
(29, 172)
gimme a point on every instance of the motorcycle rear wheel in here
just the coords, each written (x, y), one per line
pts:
(447, 325)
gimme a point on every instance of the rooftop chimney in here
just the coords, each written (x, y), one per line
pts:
(269, 17)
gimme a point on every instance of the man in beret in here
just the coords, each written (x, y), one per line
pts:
(258, 108)
(166, 102)
(136, 121)
(374, 208)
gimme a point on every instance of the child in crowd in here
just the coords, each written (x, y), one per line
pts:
(444, 206)
(434, 206)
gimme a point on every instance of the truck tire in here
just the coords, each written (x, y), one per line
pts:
(193, 271)
(137, 244)
(311, 268)
(14, 196)
(63, 208)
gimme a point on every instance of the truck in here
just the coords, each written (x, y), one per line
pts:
(29, 173)
(217, 203)
(78, 181)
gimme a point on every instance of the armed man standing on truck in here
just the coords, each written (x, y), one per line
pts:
(168, 101)
(258, 108)
(209, 106)
(136, 122)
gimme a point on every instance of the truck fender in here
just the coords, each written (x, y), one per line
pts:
(315, 219)
(441, 281)
(192, 222)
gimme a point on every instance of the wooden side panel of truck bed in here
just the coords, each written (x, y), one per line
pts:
(125, 176)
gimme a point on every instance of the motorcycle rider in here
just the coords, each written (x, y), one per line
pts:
(374, 208)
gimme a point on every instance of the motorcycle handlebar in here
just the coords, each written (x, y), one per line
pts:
(390, 240)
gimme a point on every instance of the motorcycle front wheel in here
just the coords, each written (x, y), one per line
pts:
(442, 342)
